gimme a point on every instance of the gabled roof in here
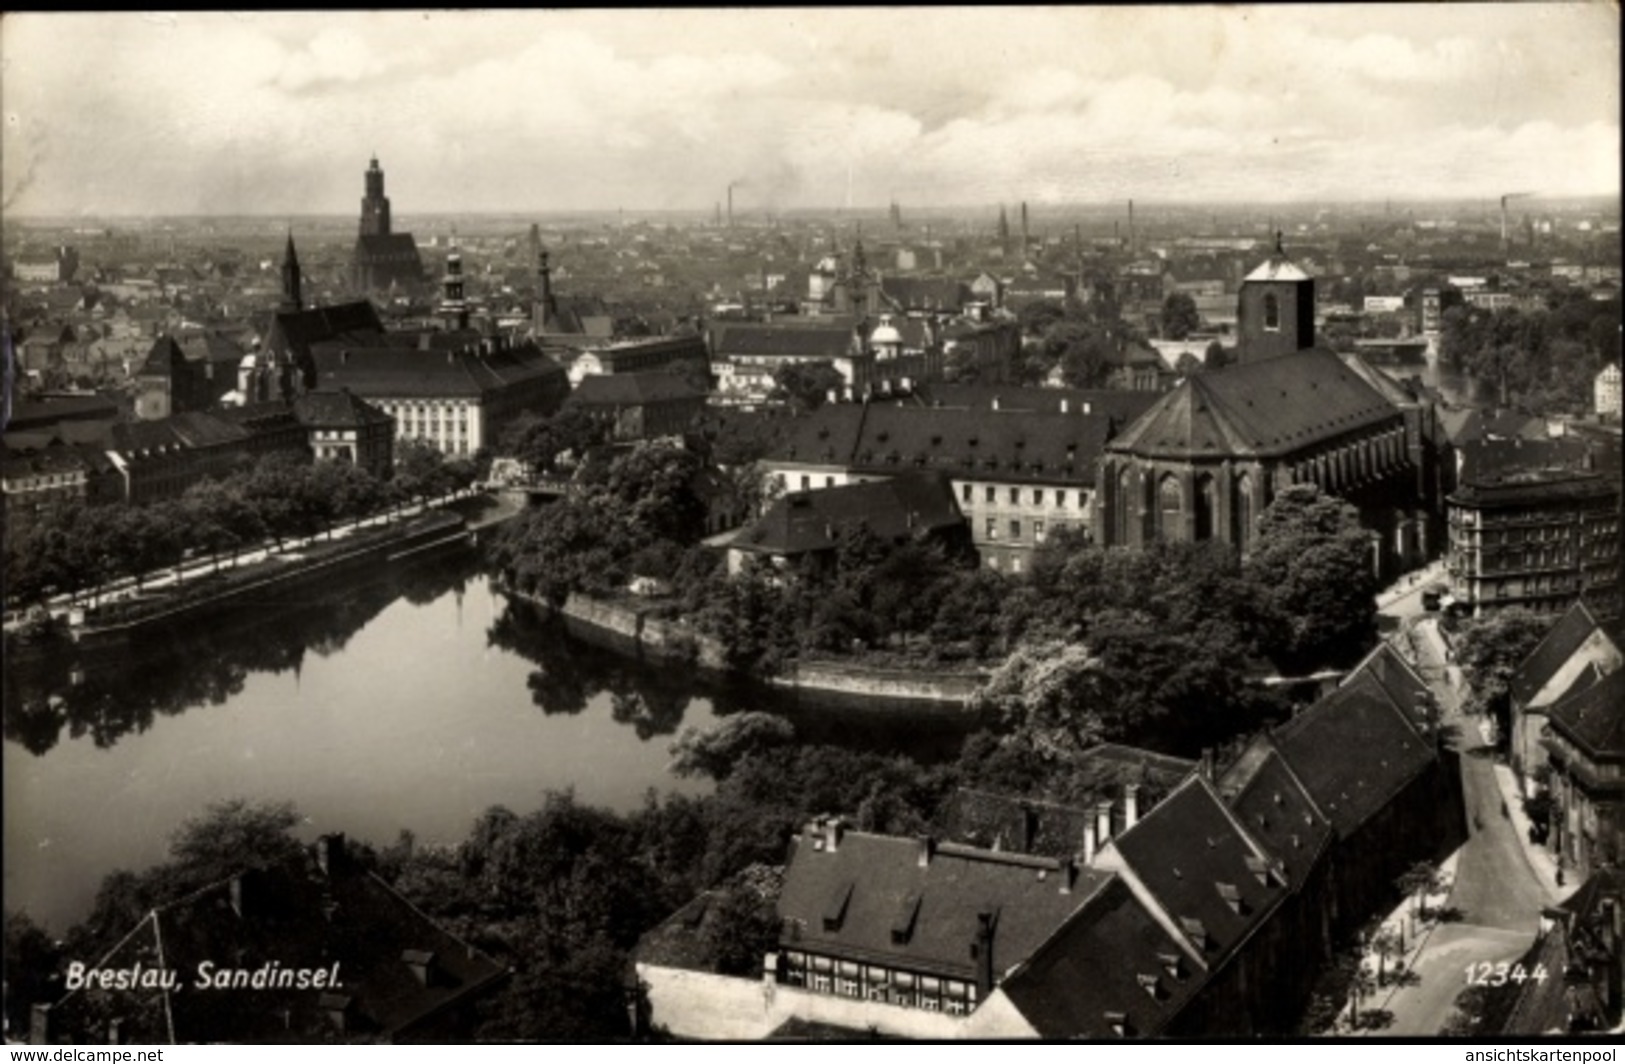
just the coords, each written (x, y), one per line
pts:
(187, 430)
(808, 521)
(1402, 682)
(926, 292)
(1277, 268)
(1206, 873)
(1112, 971)
(1594, 719)
(164, 359)
(1271, 407)
(465, 371)
(1560, 643)
(337, 409)
(993, 444)
(1361, 717)
(873, 899)
(1276, 808)
(299, 916)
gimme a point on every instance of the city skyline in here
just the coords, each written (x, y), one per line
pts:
(277, 113)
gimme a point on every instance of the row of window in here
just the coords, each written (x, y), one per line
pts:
(992, 530)
(825, 975)
(990, 495)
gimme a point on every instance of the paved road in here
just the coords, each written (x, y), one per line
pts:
(1496, 899)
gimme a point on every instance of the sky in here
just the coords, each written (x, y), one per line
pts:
(506, 111)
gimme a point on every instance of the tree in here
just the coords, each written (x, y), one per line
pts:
(1188, 363)
(1180, 317)
(1489, 650)
(1217, 356)
(714, 751)
(806, 385)
(233, 835)
(1312, 565)
(31, 960)
(556, 441)
(1051, 696)
(1419, 881)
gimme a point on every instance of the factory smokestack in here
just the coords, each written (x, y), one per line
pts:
(1133, 249)
(730, 206)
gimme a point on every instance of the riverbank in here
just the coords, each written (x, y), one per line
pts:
(642, 631)
(273, 579)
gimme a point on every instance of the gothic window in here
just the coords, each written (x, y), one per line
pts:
(1244, 511)
(1272, 311)
(1205, 505)
(1125, 504)
(1171, 506)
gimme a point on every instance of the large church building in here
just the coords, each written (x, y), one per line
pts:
(382, 257)
(1213, 452)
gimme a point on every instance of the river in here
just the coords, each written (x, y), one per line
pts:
(411, 701)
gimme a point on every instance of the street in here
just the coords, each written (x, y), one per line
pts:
(1493, 909)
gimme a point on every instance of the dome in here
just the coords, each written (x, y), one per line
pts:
(885, 333)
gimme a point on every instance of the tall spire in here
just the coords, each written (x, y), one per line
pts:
(292, 297)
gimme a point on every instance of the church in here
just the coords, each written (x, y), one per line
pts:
(383, 258)
(1211, 454)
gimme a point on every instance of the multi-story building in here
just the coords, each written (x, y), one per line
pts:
(1020, 474)
(640, 356)
(1585, 744)
(641, 406)
(58, 268)
(345, 428)
(747, 355)
(1539, 539)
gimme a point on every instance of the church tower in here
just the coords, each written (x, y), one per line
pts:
(1275, 313)
(375, 205)
(292, 299)
(546, 311)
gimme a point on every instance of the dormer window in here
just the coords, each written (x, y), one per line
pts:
(1150, 984)
(1173, 964)
(1195, 930)
(1231, 896)
(1118, 1022)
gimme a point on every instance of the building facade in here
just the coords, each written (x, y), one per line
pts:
(1537, 539)
(1607, 392)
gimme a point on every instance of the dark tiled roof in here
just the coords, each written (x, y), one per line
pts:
(406, 371)
(1404, 685)
(1358, 717)
(337, 409)
(997, 445)
(791, 341)
(895, 509)
(1204, 871)
(634, 389)
(926, 292)
(294, 332)
(163, 359)
(1594, 719)
(294, 914)
(847, 903)
(1560, 643)
(34, 414)
(1490, 461)
(1277, 809)
(981, 818)
(213, 347)
(1535, 489)
(1120, 403)
(186, 430)
(1111, 971)
(1271, 407)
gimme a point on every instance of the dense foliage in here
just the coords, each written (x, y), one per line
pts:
(72, 547)
(1543, 361)
(1489, 650)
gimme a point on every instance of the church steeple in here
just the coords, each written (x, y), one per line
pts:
(375, 205)
(292, 298)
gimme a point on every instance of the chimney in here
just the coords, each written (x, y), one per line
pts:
(1207, 763)
(928, 850)
(330, 854)
(832, 833)
(1103, 823)
(1069, 874)
(1131, 805)
(39, 1025)
(1089, 843)
(421, 962)
(982, 951)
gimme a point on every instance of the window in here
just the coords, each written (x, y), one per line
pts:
(1015, 529)
(992, 528)
(1015, 564)
(829, 482)
(1060, 497)
(1171, 504)
(965, 493)
(1015, 496)
(1272, 312)
(1038, 531)
(1038, 496)
(806, 482)
(820, 981)
(847, 987)
(990, 495)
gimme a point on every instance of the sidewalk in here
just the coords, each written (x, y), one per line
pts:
(1542, 860)
(1410, 584)
(1414, 932)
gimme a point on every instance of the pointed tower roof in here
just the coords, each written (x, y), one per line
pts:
(1278, 267)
